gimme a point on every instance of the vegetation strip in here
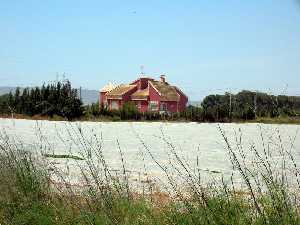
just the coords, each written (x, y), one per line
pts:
(62, 156)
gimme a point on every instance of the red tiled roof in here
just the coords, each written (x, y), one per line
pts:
(120, 90)
(108, 87)
(167, 92)
(140, 94)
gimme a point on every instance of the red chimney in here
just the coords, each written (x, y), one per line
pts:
(163, 78)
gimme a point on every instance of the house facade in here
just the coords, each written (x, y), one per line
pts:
(149, 95)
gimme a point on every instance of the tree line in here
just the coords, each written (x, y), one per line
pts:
(58, 99)
(248, 105)
(245, 105)
(62, 100)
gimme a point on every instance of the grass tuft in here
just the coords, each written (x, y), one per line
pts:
(28, 196)
(59, 156)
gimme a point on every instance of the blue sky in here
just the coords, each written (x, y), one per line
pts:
(202, 46)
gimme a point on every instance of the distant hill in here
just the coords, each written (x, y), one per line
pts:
(88, 96)
(194, 103)
(6, 90)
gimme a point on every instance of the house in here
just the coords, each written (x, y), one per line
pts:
(147, 94)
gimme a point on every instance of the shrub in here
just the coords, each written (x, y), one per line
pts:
(129, 111)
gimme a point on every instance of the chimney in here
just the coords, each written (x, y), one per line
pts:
(163, 78)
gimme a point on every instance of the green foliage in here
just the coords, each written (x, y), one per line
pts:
(24, 188)
(248, 105)
(56, 99)
(62, 156)
(129, 111)
(193, 113)
(94, 110)
(61, 100)
(245, 105)
(4, 106)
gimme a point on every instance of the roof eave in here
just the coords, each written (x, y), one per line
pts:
(139, 99)
(155, 88)
(181, 92)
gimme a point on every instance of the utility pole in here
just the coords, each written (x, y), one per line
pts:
(230, 102)
(80, 93)
(255, 104)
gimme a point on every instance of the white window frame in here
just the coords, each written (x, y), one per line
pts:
(153, 106)
(114, 104)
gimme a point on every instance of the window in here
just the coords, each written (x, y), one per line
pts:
(163, 107)
(114, 105)
(138, 104)
(153, 106)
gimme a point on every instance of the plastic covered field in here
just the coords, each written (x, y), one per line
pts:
(146, 149)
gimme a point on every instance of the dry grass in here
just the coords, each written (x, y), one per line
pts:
(30, 197)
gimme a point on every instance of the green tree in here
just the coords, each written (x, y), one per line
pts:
(129, 111)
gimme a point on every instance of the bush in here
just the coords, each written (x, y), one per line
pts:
(129, 111)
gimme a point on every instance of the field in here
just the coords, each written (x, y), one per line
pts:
(191, 173)
(200, 145)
